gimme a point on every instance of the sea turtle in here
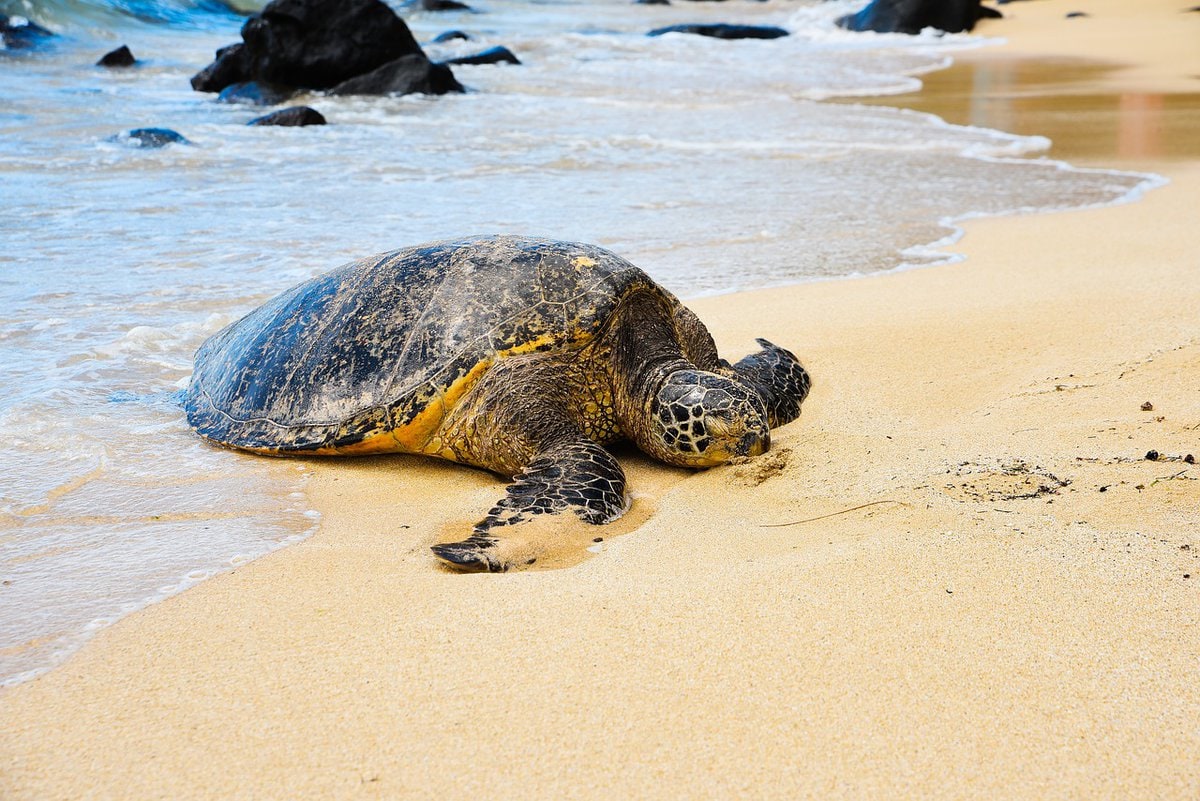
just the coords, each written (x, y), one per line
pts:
(522, 356)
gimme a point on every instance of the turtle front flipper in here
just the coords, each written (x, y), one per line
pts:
(578, 475)
(779, 378)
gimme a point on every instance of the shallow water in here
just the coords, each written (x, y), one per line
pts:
(714, 165)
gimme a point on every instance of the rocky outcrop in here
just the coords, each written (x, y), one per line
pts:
(913, 16)
(724, 31)
(121, 57)
(18, 33)
(228, 67)
(408, 75)
(444, 5)
(450, 36)
(326, 44)
(294, 117)
(493, 55)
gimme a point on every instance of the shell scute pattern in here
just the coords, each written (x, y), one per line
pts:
(222, 362)
(386, 345)
(373, 422)
(405, 410)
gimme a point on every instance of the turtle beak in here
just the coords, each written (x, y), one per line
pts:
(754, 444)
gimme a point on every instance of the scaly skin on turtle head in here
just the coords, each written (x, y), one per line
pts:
(702, 419)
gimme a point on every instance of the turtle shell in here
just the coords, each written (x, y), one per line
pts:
(371, 356)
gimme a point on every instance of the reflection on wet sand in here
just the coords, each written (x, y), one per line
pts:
(1059, 99)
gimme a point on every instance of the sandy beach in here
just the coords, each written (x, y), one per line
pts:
(956, 575)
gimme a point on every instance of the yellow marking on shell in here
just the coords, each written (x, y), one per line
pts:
(382, 442)
(583, 262)
(417, 436)
(421, 434)
(537, 343)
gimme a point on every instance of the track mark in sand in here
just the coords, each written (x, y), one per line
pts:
(753, 472)
(1008, 481)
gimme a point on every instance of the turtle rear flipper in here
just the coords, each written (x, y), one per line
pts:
(578, 475)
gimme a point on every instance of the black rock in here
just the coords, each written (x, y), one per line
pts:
(253, 93)
(652, 2)
(723, 31)
(406, 75)
(450, 36)
(121, 57)
(912, 16)
(296, 116)
(229, 67)
(1074, 14)
(989, 13)
(444, 5)
(493, 55)
(19, 33)
(152, 137)
(311, 44)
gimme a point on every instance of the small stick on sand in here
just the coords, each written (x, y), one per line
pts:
(831, 514)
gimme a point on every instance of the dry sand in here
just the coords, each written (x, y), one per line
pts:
(1014, 616)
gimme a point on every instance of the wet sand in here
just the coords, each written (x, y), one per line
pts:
(1067, 100)
(957, 575)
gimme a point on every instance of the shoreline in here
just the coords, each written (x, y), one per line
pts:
(978, 605)
(1053, 75)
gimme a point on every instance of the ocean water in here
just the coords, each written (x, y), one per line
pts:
(714, 165)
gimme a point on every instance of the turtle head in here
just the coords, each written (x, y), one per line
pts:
(702, 419)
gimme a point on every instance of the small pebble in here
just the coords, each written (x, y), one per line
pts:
(1074, 14)
(1151, 456)
(1189, 459)
(598, 539)
(1147, 406)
